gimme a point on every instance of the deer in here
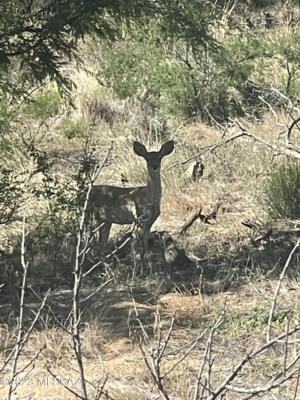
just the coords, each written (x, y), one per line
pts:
(131, 205)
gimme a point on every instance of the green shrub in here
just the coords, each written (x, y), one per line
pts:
(283, 191)
(44, 105)
(224, 79)
(72, 129)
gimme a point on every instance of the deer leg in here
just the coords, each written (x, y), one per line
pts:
(145, 240)
(142, 240)
(102, 230)
(144, 249)
(104, 235)
(137, 251)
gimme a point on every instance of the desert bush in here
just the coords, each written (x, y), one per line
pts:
(143, 68)
(166, 79)
(282, 191)
(44, 105)
(225, 80)
(72, 129)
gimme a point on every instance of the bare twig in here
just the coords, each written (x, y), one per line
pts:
(132, 330)
(156, 356)
(27, 334)
(286, 348)
(18, 346)
(78, 276)
(224, 386)
(95, 291)
(273, 305)
(63, 384)
(154, 375)
(287, 366)
(159, 352)
(162, 349)
(297, 385)
(78, 279)
(267, 388)
(272, 111)
(185, 354)
(107, 257)
(100, 390)
(206, 357)
(291, 127)
(31, 361)
(21, 336)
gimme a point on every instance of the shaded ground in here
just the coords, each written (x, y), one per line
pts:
(168, 267)
(111, 333)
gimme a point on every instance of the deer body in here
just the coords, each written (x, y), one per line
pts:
(139, 205)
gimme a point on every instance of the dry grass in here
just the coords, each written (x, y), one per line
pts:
(119, 358)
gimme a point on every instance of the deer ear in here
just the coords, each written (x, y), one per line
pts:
(167, 148)
(139, 149)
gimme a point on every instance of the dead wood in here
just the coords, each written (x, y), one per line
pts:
(203, 218)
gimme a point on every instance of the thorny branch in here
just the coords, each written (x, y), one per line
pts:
(22, 337)
(278, 288)
(286, 148)
(159, 352)
(57, 378)
(206, 358)
(78, 276)
(225, 385)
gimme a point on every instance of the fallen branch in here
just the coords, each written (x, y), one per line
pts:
(287, 149)
(209, 148)
(203, 218)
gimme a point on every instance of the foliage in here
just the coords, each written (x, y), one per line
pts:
(252, 62)
(44, 105)
(165, 54)
(42, 35)
(201, 79)
(284, 49)
(49, 248)
(283, 191)
(143, 67)
(72, 129)
(148, 66)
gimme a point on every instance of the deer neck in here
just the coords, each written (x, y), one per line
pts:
(154, 187)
